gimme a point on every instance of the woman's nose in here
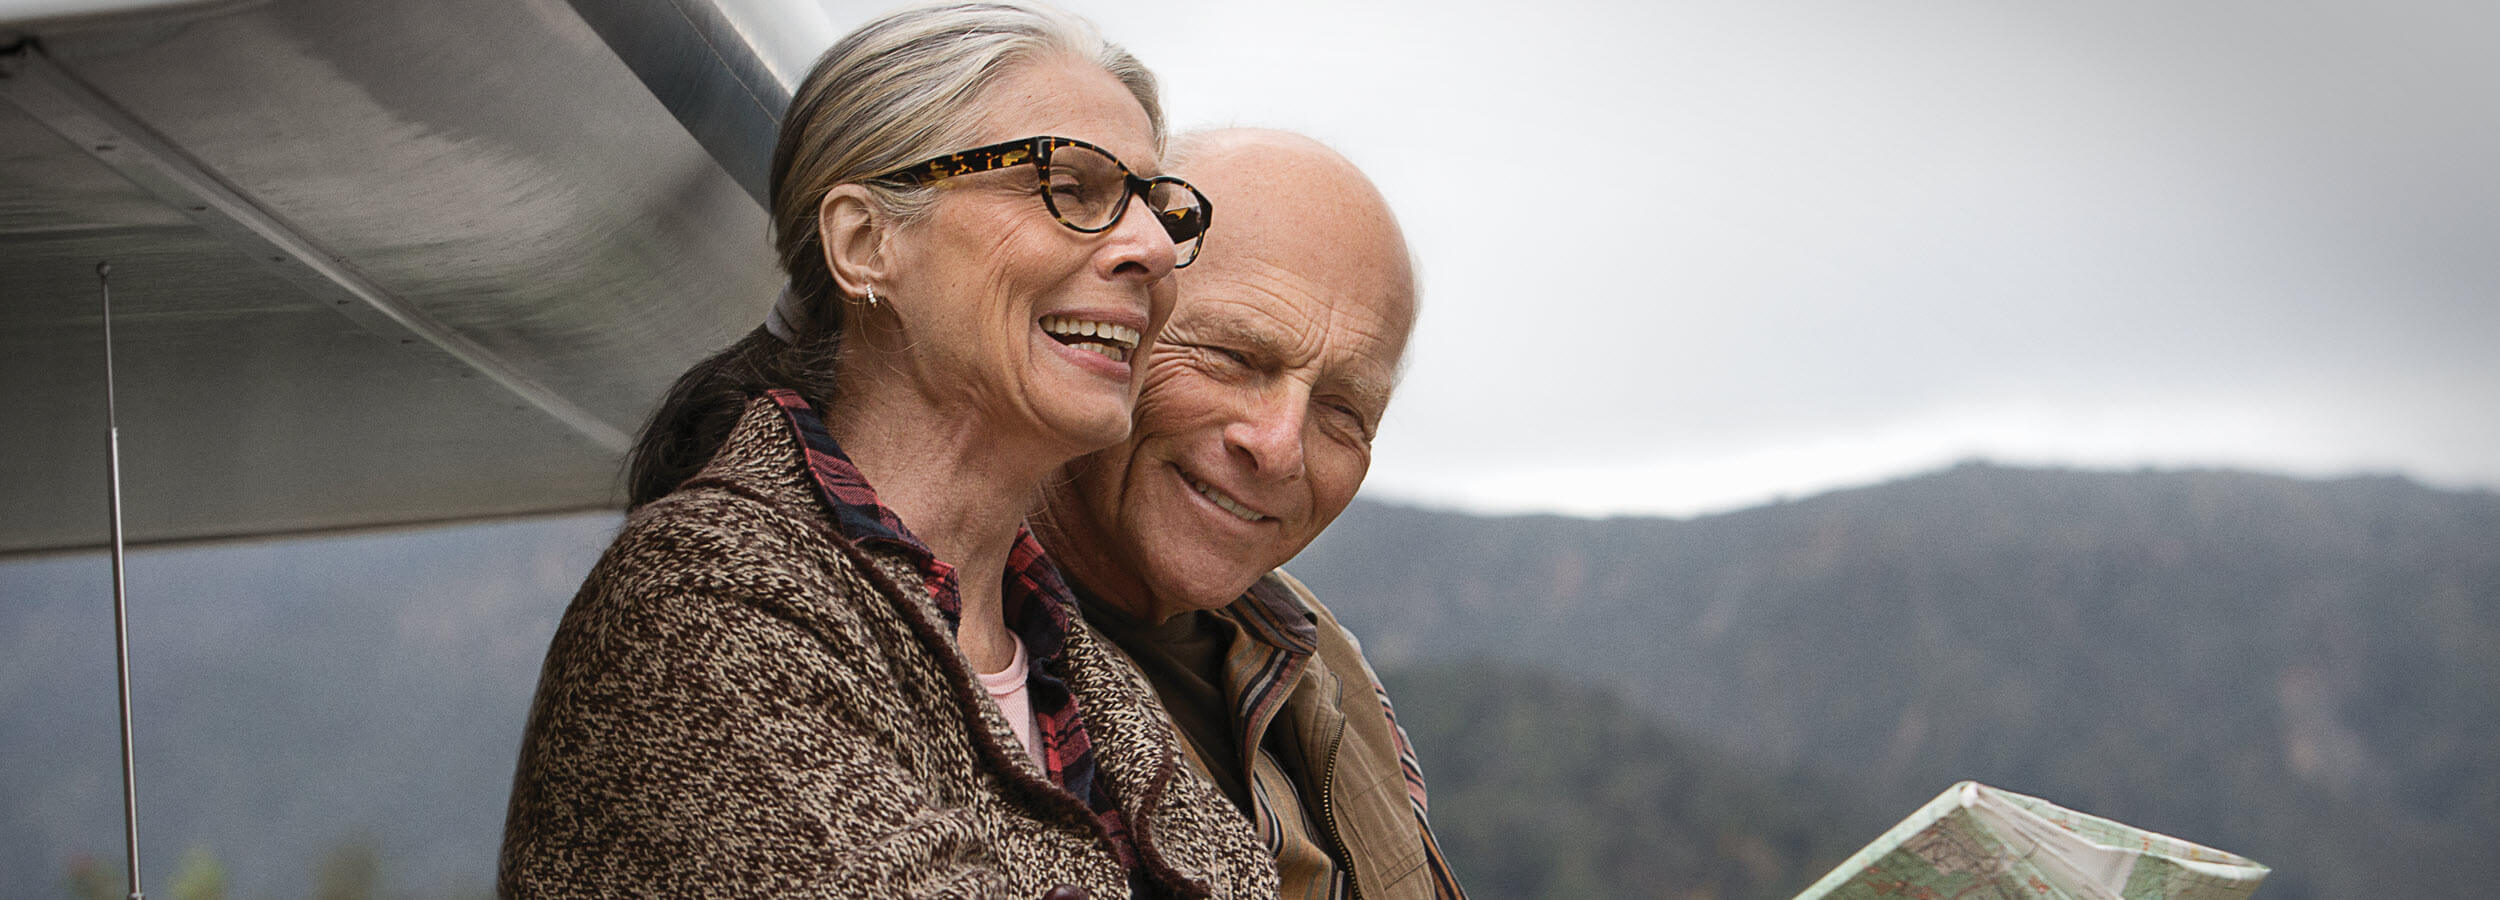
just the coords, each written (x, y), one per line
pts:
(1138, 245)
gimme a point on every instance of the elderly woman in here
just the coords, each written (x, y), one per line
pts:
(824, 657)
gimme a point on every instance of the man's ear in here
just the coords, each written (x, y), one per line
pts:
(853, 235)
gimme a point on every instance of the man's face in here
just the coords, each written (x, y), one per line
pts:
(1255, 424)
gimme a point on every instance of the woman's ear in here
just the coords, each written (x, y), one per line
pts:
(853, 235)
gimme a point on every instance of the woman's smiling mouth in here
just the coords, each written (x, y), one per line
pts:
(1109, 339)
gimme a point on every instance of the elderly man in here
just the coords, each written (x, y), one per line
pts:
(1253, 433)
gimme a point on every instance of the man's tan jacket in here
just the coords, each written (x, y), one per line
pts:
(1303, 699)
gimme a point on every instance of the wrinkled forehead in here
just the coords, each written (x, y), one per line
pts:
(1352, 338)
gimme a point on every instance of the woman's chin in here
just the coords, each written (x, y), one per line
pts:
(1092, 428)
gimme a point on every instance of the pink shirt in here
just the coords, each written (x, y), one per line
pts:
(1007, 688)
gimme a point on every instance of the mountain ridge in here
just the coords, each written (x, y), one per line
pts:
(2204, 652)
(2304, 670)
(1968, 463)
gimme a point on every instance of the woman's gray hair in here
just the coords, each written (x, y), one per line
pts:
(900, 89)
(905, 87)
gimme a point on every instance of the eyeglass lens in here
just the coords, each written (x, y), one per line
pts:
(1177, 207)
(1088, 190)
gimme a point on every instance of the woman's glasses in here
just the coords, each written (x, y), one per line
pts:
(1086, 188)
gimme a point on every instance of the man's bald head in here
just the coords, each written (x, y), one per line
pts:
(1291, 194)
(1261, 397)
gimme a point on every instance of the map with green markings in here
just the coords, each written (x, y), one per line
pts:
(1975, 841)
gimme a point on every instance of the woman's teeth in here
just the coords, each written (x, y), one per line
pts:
(1225, 503)
(1111, 340)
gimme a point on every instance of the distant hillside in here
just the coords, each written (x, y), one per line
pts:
(2306, 672)
(295, 700)
(1544, 788)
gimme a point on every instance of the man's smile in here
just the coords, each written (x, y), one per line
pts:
(1223, 500)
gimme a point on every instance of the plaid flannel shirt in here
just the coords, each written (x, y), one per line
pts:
(1037, 604)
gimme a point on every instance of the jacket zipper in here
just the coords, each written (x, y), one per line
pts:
(1328, 811)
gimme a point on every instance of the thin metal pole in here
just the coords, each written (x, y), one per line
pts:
(121, 603)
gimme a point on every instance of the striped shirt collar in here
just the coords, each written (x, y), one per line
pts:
(1277, 618)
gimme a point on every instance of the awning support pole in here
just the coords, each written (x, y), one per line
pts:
(121, 603)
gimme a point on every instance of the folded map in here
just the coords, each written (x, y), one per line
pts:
(1977, 841)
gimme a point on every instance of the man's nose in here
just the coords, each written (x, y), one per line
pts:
(1269, 433)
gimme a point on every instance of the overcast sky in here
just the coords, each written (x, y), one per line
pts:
(1683, 257)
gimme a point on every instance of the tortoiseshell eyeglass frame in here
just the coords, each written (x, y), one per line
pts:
(1187, 227)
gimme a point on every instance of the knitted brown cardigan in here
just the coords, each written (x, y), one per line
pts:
(739, 703)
